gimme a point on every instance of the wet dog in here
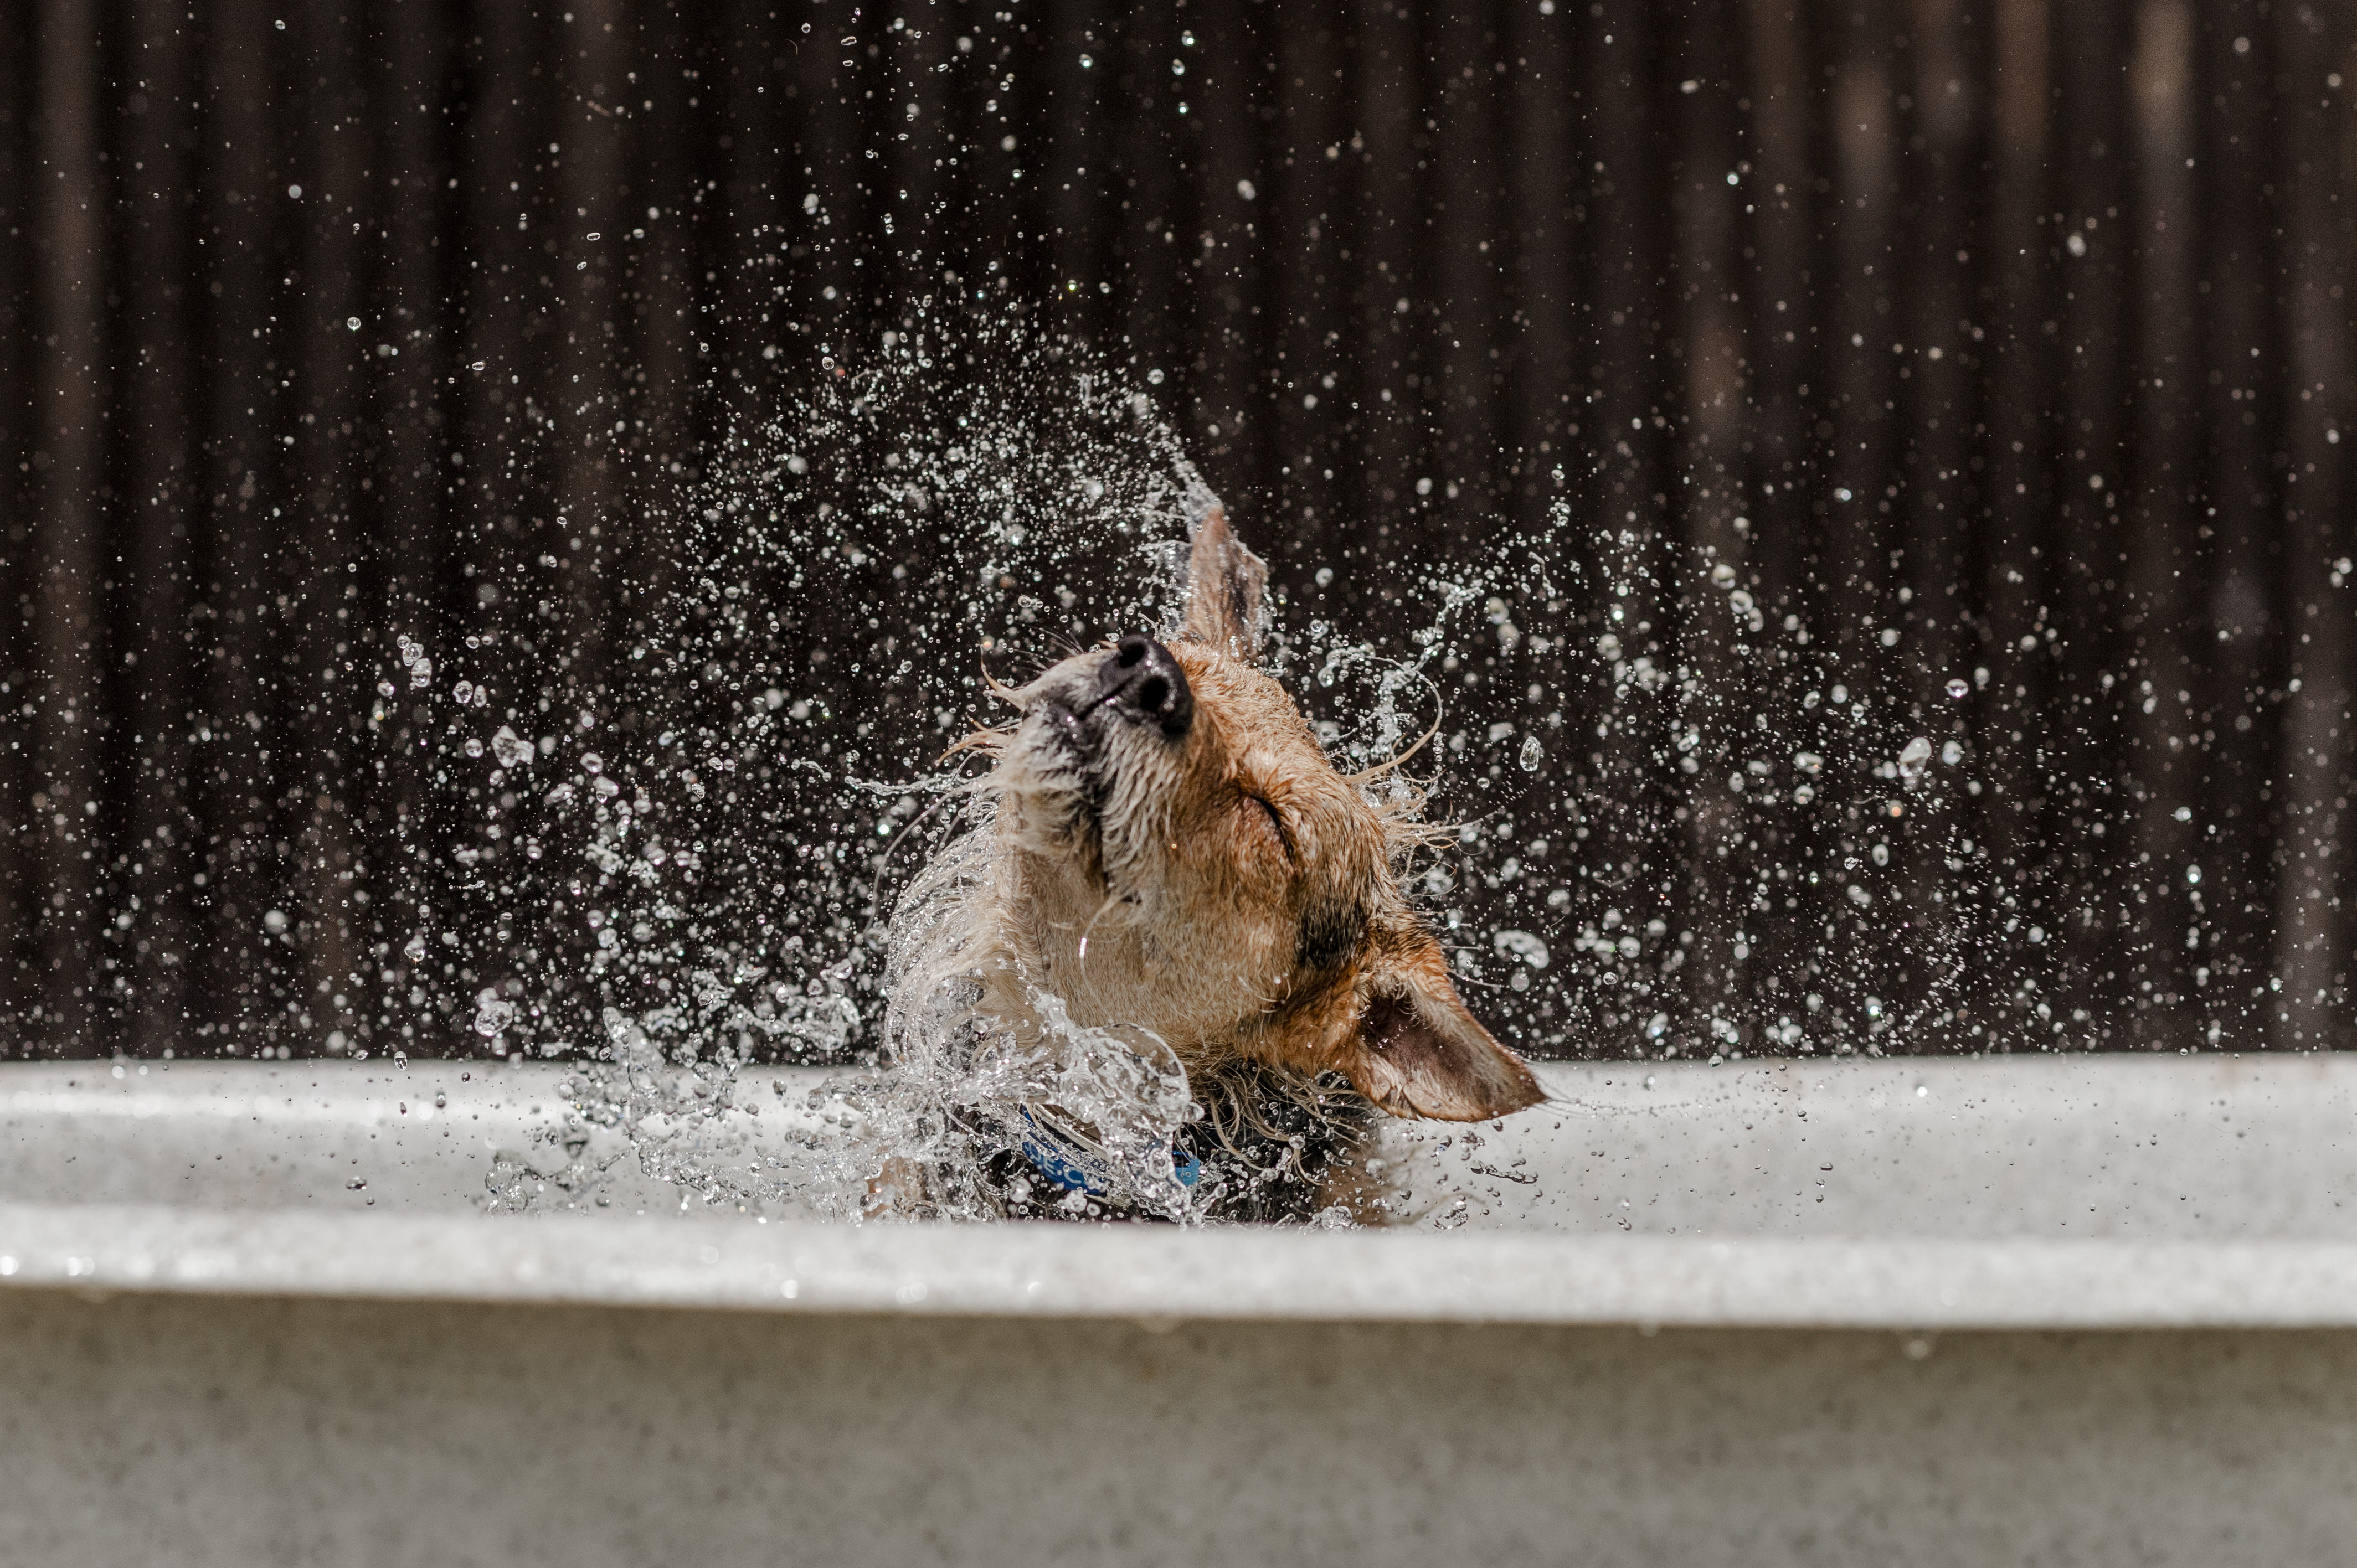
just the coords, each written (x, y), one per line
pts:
(1177, 903)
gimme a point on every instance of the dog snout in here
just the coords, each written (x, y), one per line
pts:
(1143, 683)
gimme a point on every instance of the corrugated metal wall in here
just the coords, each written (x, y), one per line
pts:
(2016, 329)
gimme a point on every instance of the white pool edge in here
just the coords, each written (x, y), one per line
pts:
(1163, 1275)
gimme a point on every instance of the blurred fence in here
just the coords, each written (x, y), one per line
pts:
(2018, 330)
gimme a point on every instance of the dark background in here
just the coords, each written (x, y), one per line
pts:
(2020, 329)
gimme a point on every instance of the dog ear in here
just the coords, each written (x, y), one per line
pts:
(1418, 1052)
(1224, 581)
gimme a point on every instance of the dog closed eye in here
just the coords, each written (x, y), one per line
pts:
(1267, 818)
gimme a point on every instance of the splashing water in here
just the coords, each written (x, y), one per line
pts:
(1676, 828)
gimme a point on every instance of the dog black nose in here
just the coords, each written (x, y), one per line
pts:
(1143, 683)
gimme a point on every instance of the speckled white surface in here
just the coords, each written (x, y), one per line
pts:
(1127, 1272)
(2054, 1310)
(2135, 1148)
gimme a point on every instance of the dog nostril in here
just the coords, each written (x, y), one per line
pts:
(1141, 680)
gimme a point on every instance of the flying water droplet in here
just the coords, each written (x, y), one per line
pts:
(1914, 759)
(1524, 946)
(1531, 754)
(1957, 689)
(492, 1013)
(511, 749)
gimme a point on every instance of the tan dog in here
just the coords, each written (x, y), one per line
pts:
(1172, 851)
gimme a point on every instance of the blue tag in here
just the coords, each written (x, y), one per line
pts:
(1073, 1175)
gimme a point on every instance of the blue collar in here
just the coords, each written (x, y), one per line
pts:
(1082, 1175)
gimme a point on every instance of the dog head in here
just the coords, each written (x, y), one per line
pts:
(1180, 855)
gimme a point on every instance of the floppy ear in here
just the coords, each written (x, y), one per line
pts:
(1418, 1052)
(1223, 585)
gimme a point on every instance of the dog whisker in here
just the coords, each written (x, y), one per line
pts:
(996, 687)
(985, 740)
(1379, 769)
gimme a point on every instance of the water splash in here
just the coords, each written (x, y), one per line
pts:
(1682, 821)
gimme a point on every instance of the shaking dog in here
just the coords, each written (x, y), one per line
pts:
(1174, 965)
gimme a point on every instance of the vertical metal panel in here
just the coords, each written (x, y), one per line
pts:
(2092, 394)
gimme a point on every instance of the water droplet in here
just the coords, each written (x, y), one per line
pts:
(511, 749)
(414, 950)
(386, 688)
(1722, 575)
(492, 1013)
(2194, 875)
(474, 747)
(1809, 762)
(592, 763)
(1957, 689)
(1914, 757)
(1531, 754)
(1524, 946)
(274, 921)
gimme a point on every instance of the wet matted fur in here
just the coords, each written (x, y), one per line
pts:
(1177, 928)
